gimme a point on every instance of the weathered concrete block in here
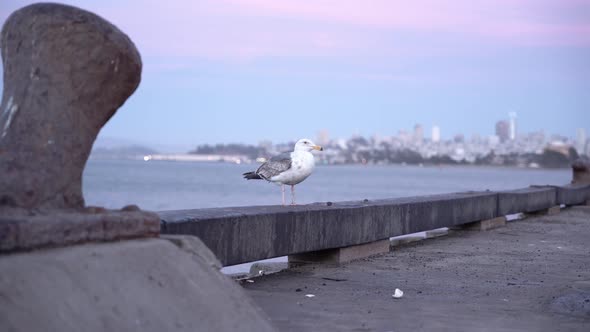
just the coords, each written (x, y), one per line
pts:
(484, 225)
(553, 210)
(341, 255)
(550, 211)
(66, 72)
(65, 228)
(194, 246)
(138, 285)
(526, 200)
(245, 234)
(573, 194)
(436, 211)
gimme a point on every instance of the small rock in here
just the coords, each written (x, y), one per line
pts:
(397, 294)
(298, 290)
(329, 203)
(250, 281)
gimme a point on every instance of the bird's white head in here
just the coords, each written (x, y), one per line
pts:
(305, 144)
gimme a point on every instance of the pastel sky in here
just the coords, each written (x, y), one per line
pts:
(248, 70)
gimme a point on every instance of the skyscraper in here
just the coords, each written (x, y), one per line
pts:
(418, 134)
(503, 130)
(435, 134)
(323, 137)
(512, 116)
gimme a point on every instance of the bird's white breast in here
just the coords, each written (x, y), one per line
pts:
(301, 167)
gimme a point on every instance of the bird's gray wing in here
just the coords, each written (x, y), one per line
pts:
(275, 166)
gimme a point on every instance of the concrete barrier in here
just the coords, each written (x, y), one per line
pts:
(573, 194)
(243, 234)
(526, 200)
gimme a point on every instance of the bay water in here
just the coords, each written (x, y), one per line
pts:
(171, 185)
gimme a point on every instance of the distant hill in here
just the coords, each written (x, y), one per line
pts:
(121, 152)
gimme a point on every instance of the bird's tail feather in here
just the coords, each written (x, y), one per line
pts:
(251, 176)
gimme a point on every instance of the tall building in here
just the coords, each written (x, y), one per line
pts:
(493, 140)
(512, 116)
(323, 137)
(418, 134)
(435, 134)
(581, 141)
(503, 130)
(404, 136)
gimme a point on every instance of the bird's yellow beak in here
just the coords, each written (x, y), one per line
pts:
(317, 147)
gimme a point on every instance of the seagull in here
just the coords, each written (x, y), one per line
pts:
(289, 168)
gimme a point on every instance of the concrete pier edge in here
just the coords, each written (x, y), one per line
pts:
(245, 234)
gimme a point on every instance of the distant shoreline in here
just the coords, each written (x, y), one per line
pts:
(319, 164)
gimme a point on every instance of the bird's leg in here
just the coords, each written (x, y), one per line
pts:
(293, 194)
(283, 191)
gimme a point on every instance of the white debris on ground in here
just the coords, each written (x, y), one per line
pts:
(309, 295)
(250, 280)
(513, 217)
(397, 294)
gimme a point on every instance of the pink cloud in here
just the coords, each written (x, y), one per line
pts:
(241, 30)
(527, 22)
(539, 34)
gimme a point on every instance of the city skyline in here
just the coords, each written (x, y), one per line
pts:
(503, 134)
(246, 70)
(505, 148)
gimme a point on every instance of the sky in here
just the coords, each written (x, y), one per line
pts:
(221, 71)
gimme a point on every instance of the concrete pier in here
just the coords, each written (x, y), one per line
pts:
(245, 234)
(65, 266)
(531, 275)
